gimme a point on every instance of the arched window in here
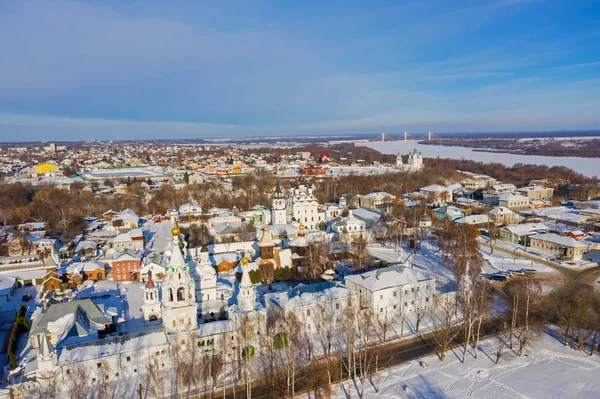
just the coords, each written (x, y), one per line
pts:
(181, 294)
(171, 294)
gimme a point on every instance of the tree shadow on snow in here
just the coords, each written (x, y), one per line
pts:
(424, 389)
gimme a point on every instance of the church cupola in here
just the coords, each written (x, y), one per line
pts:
(266, 244)
(247, 292)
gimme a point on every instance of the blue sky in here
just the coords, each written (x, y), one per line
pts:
(73, 70)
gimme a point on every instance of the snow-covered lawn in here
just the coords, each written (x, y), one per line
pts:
(427, 258)
(502, 261)
(550, 370)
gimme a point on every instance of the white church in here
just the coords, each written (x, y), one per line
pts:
(301, 207)
(413, 164)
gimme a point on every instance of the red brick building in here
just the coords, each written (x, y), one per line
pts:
(126, 266)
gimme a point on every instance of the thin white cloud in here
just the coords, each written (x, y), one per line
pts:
(584, 65)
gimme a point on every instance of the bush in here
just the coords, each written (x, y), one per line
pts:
(21, 326)
(254, 276)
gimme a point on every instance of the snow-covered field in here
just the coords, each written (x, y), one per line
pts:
(548, 371)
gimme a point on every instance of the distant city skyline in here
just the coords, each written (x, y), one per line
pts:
(75, 70)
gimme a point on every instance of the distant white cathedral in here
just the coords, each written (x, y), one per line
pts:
(414, 163)
(278, 209)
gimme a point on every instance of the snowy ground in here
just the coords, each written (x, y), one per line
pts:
(427, 258)
(502, 261)
(550, 370)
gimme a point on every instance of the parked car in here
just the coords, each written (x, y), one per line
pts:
(498, 277)
(517, 272)
(529, 271)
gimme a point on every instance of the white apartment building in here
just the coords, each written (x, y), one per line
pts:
(536, 192)
(311, 303)
(514, 202)
(393, 290)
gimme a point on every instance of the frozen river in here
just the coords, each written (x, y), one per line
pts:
(586, 166)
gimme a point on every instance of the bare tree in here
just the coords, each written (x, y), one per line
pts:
(499, 349)
(346, 336)
(77, 382)
(154, 377)
(493, 234)
(443, 316)
(360, 253)
(459, 246)
(316, 258)
(245, 333)
(368, 355)
(289, 330)
(267, 272)
(483, 305)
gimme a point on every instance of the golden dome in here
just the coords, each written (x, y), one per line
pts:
(244, 260)
(175, 230)
(301, 227)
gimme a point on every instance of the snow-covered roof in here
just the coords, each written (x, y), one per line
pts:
(559, 240)
(305, 295)
(112, 346)
(500, 210)
(388, 277)
(379, 195)
(126, 256)
(526, 228)
(503, 186)
(473, 219)
(216, 327)
(366, 215)
(299, 241)
(507, 196)
(532, 188)
(61, 317)
(561, 213)
(434, 188)
(84, 267)
(83, 245)
(7, 284)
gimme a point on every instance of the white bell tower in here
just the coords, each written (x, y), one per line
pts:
(279, 211)
(247, 294)
(179, 307)
(150, 303)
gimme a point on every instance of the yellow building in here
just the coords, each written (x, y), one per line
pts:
(45, 167)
